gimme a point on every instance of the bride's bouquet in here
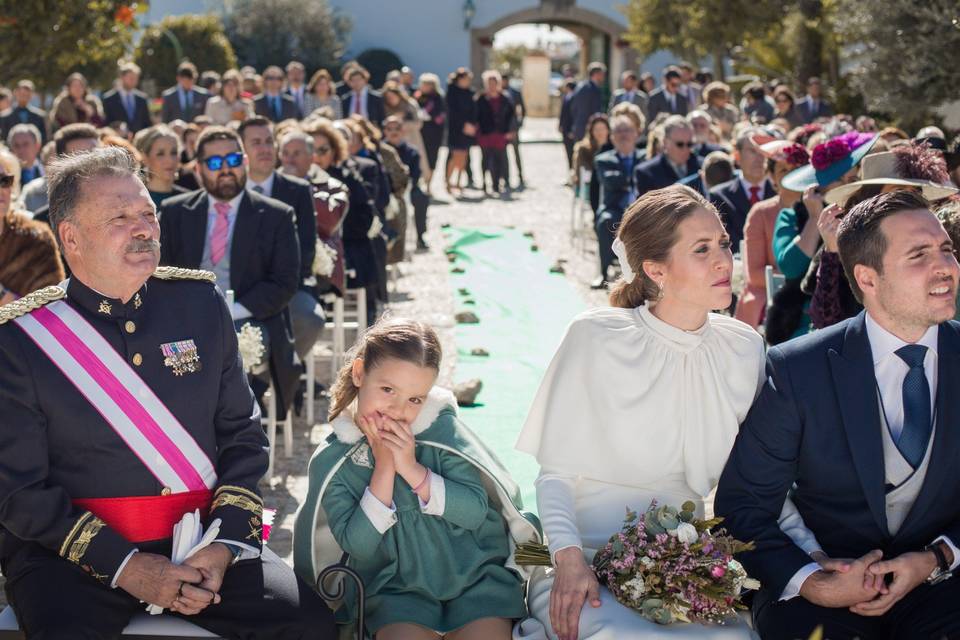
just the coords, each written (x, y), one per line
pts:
(669, 566)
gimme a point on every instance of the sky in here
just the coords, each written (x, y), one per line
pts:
(532, 35)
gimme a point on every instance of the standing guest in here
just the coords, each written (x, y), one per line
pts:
(252, 84)
(668, 98)
(397, 102)
(616, 173)
(320, 94)
(647, 83)
(187, 176)
(73, 138)
(495, 117)
(734, 199)
(249, 241)
(587, 99)
(393, 135)
(160, 148)
(716, 102)
(782, 157)
(702, 124)
(629, 91)
(273, 103)
(812, 106)
(434, 105)
(184, 101)
(462, 113)
(29, 257)
(211, 82)
(296, 89)
(75, 104)
(520, 112)
(159, 343)
(755, 104)
(125, 103)
(342, 88)
(675, 162)
(360, 98)
(22, 112)
(689, 88)
(786, 107)
(406, 80)
(263, 178)
(24, 141)
(565, 124)
(230, 105)
(854, 423)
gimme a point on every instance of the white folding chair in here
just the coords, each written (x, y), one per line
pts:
(580, 212)
(774, 282)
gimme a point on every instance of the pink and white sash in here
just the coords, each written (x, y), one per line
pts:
(121, 396)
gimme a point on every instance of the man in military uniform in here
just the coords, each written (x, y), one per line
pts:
(123, 406)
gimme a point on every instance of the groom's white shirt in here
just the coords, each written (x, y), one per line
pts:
(890, 371)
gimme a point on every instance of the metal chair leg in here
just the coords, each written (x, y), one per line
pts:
(337, 592)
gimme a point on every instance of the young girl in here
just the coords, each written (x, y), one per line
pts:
(424, 511)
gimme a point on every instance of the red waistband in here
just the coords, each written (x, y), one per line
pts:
(146, 518)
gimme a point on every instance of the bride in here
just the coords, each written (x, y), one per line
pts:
(642, 401)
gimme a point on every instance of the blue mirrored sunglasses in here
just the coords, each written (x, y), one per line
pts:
(233, 160)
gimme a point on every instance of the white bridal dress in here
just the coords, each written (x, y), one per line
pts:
(630, 410)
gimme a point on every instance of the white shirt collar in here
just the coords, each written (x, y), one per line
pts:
(234, 203)
(266, 185)
(883, 343)
(747, 184)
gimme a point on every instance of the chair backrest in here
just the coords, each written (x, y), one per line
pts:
(584, 182)
(774, 282)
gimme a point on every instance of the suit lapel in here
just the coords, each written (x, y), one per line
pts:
(194, 233)
(855, 382)
(244, 237)
(943, 456)
(739, 198)
(279, 184)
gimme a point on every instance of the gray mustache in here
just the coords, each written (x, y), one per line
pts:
(143, 246)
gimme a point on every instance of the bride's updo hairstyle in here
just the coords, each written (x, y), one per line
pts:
(648, 231)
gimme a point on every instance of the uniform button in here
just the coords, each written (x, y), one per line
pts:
(130, 326)
(166, 491)
(137, 359)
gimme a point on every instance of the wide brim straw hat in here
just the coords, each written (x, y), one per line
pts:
(881, 168)
(830, 161)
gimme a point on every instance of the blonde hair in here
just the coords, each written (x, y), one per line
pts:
(12, 167)
(649, 231)
(399, 338)
(146, 138)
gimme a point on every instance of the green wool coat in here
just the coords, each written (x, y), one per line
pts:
(440, 572)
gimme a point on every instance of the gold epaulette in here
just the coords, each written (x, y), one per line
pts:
(176, 273)
(29, 302)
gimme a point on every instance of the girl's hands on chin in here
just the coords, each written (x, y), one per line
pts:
(382, 455)
(398, 437)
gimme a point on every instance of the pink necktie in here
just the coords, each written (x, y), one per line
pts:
(221, 232)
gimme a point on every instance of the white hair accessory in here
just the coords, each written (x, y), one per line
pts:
(620, 250)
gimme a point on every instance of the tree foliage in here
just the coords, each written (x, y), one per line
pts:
(267, 32)
(696, 29)
(200, 39)
(510, 57)
(46, 40)
(905, 60)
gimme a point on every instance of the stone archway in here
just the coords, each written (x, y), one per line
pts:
(562, 13)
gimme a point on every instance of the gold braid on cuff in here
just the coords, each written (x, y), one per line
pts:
(77, 542)
(230, 496)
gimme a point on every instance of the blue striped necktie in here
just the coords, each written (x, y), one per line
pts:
(917, 421)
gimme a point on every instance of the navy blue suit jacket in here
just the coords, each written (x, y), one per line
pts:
(587, 99)
(656, 173)
(733, 203)
(817, 423)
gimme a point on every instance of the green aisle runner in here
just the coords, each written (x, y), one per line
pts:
(523, 311)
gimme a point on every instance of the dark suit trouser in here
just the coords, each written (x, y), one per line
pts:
(261, 599)
(568, 149)
(495, 163)
(606, 229)
(926, 613)
(515, 145)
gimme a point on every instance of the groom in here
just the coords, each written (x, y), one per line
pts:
(864, 419)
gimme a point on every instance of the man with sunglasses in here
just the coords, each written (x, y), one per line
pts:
(273, 103)
(249, 241)
(675, 162)
(668, 98)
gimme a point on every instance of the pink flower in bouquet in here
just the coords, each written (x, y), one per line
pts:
(718, 571)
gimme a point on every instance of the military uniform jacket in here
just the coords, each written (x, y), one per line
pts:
(57, 448)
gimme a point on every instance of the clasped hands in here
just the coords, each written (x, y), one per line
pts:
(187, 588)
(861, 584)
(393, 445)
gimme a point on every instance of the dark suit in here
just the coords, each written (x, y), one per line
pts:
(586, 100)
(657, 172)
(640, 98)
(705, 148)
(23, 115)
(115, 111)
(733, 203)
(375, 111)
(816, 424)
(171, 104)
(264, 107)
(804, 107)
(695, 182)
(264, 267)
(617, 179)
(658, 102)
(288, 92)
